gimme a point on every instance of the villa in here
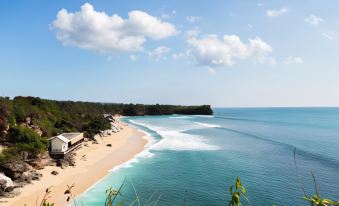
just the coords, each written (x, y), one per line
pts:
(65, 143)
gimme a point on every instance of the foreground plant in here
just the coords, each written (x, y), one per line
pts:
(236, 195)
(112, 195)
(70, 194)
(46, 196)
(315, 199)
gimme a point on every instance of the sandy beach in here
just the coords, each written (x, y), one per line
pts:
(96, 163)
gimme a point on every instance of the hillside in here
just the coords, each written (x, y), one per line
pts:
(53, 117)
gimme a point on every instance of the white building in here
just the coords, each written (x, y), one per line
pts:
(65, 143)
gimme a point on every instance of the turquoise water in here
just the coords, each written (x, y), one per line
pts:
(201, 156)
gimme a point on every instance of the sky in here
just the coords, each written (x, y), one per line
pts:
(219, 52)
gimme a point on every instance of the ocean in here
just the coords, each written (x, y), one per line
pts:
(196, 158)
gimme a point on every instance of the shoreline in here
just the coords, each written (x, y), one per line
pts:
(98, 163)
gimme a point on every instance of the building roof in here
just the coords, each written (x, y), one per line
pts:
(69, 137)
(64, 139)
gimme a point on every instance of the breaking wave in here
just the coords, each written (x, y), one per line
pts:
(208, 125)
(177, 140)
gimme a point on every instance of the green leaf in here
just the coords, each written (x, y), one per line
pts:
(243, 190)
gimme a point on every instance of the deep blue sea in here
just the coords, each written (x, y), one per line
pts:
(197, 158)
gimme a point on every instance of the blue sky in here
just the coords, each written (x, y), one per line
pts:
(223, 53)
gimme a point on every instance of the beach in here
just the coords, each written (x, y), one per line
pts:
(93, 162)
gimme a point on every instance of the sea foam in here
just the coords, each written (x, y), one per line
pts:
(142, 155)
(177, 140)
(180, 117)
(208, 125)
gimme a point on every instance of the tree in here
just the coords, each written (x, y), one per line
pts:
(130, 110)
(4, 114)
(19, 113)
(97, 125)
(25, 139)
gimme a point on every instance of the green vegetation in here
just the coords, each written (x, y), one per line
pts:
(27, 122)
(27, 140)
(4, 114)
(23, 139)
(55, 117)
(237, 193)
(96, 125)
(240, 191)
(9, 154)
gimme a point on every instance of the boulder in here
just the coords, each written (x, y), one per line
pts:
(9, 189)
(38, 164)
(2, 194)
(109, 145)
(54, 172)
(3, 183)
(24, 155)
(6, 194)
(28, 177)
(6, 183)
(37, 129)
(28, 120)
(14, 169)
(19, 184)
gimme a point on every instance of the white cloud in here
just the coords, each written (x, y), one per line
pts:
(180, 55)
(133, 58)
(313, 20)
(212, 51)
(159, 52)
(192, 19)
(168, 15)
(97, 31)
(328, 35)
(193, 32)
(293, 60)
(274, 13)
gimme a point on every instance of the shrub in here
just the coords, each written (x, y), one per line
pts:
(27, 140)
(97, 125)
(9, 154)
